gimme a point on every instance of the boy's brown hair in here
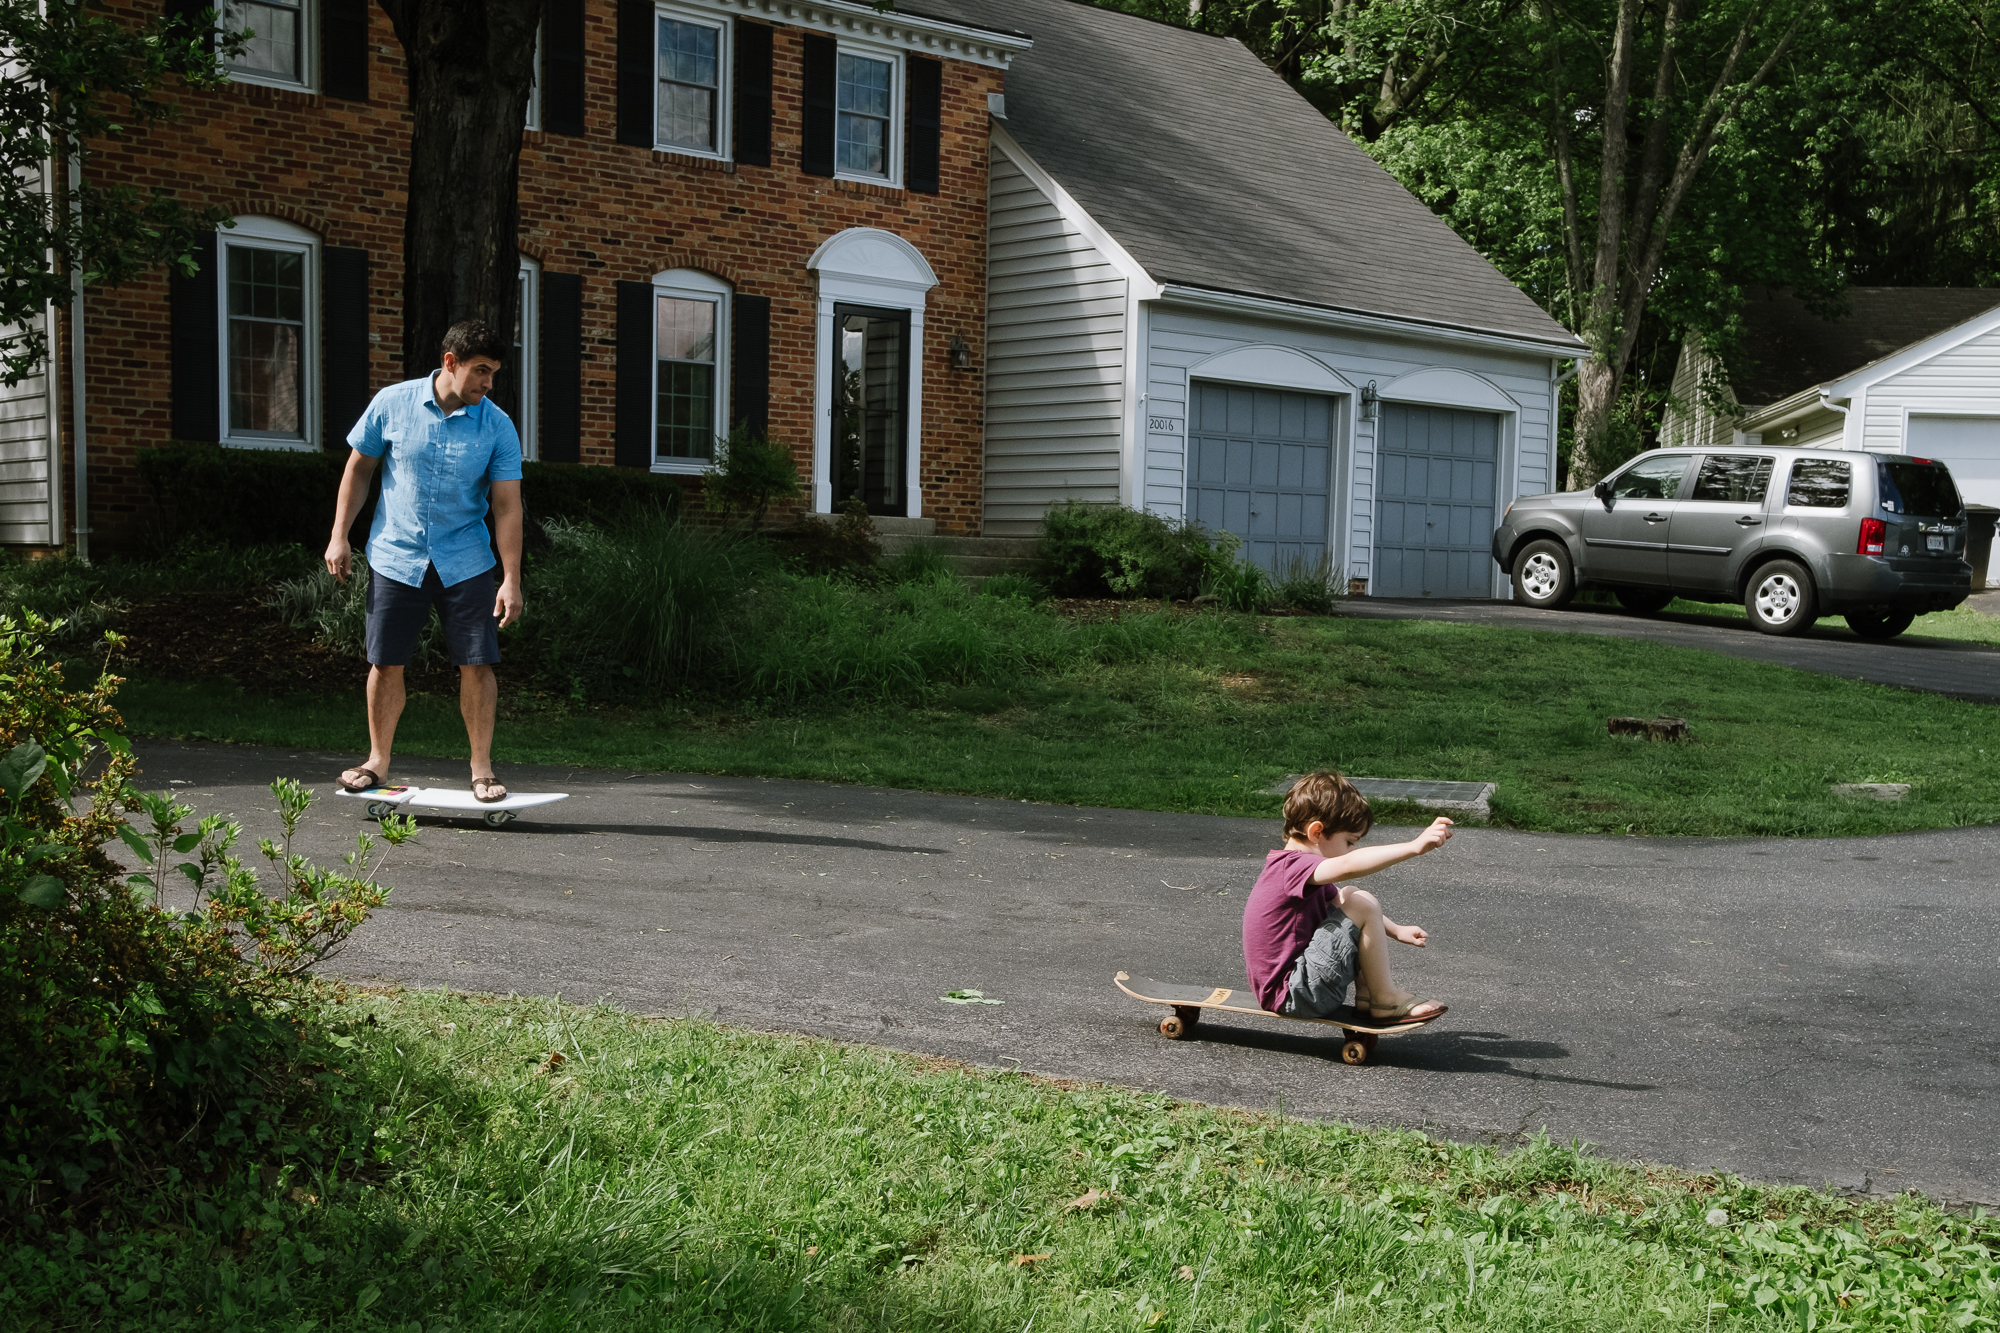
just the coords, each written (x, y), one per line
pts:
(1332, 800)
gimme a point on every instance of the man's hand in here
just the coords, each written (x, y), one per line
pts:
(1407, 934)
(339, 559)
(1432, 838)
(508, 603)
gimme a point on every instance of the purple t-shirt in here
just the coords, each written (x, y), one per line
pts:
(1284, 910)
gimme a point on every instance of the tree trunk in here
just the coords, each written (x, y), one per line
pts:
(471, 69)
(1597, 384)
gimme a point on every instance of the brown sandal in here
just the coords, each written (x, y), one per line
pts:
(368, 773)
(488, 790)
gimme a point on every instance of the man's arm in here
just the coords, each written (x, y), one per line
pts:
(505, 500)
(353, 493)
(1367, 860)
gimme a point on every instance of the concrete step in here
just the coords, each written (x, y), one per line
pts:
(905, 528)
(975, 557)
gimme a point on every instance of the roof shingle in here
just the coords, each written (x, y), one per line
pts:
(1787, 348)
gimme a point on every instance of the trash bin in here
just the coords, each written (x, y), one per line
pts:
(1979, 522)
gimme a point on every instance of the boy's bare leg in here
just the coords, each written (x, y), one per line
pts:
(385, 709)
(1373, 988)
(478, 699)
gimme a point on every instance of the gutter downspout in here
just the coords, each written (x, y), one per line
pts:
(79, 440)
(1826, 401)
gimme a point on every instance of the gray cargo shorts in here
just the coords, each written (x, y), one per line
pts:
(1320, 978)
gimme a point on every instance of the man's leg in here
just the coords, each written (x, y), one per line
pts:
(471, 635)
(478, 698)
(385, 709)
(396, 615)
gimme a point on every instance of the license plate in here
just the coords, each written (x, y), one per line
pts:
(1935, 543)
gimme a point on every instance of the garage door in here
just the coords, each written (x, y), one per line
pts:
(1258, 463)
(1969, 446)
(1434, 477)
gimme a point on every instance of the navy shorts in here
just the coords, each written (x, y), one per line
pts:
(397, 614)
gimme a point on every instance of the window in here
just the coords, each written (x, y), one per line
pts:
(268, 354)
(1733, 479)
(864, 99)
(514, 386)
(690, 318)
(691, 70)
(1651, 478)
(280, 50)
(1924, 489)
(1819, 483)
(871, 385)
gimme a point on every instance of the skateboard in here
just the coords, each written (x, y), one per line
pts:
(386, 801)
(1187, 1002)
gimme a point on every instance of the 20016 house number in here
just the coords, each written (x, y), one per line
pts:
(1166, 424)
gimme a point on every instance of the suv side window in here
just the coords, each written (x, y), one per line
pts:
(1733, 479)
(1651, 479)
(1819, 483)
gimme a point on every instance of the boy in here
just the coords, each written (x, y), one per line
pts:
(1305, 937)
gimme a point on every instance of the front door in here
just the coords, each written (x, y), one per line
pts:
(871, 395)
(1258, 463)
(1435, 470)
(1720, 522)
(1625, 537)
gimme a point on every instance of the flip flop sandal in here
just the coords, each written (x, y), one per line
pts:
(1404, 1014)
(368, 773)
(482, 786)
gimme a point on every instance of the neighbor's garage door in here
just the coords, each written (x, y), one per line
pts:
(1434, 476)
(1969, 446)
(1258, 462)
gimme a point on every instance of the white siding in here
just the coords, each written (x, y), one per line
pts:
(1055, 358)
(1961, 381)
(1180, 339)
(25, 462)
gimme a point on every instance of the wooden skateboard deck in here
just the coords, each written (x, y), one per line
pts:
(386, 801)
(1187, 1002)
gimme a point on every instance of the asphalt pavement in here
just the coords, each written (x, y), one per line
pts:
(1819, 1012)
(1935, 666)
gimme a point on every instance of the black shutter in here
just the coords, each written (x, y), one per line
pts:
(636, 72)
(923, 127)
(191, 11)
(632, 433)
(562, 67)
(343, 323)
(194, 339)
(559, 433)
(752, 137)
(816, 136)
(750, 363)
(343, 47)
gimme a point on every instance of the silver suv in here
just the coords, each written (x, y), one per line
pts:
(1793, 534)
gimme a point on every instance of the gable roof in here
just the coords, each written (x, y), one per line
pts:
(1788, 349)
(1212, 173)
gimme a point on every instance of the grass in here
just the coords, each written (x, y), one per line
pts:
(1202, 713)
(543, 1166)
(1961, 622)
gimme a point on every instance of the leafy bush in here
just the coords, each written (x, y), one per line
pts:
(1013, 585)
(1105, 550)
(133, 1038)
(811, 545)
(1240, 586)
(1310, 585)
(751, 473)
(336, 613)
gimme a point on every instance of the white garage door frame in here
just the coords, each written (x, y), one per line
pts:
(1462, 390)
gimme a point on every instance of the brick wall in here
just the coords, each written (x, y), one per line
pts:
(589, 206)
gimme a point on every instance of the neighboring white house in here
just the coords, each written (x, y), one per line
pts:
(1205, 300)
(1912, 370)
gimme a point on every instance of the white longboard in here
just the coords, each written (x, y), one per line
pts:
(386, 801)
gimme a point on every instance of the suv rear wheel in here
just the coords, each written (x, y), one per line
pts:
(1780, 598)
(1643, 601)
(1879, 624)
(1542, 575)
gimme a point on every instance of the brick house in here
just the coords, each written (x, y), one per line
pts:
(760, 211)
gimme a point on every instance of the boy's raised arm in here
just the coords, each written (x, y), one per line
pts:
(1367, 860)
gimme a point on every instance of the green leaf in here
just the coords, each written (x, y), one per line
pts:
(187, 842)
(43, 891)
(191, 870)
(136, 843)
(21, 768)
(115, 742)
(369, 1295)
(146, 1002)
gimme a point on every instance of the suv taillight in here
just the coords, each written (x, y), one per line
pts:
(1873, 532)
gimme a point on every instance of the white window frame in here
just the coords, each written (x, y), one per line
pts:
(893, 178)
(531, 343)
(266, 233)
(725, 74)
(308, 80)
(691, 284)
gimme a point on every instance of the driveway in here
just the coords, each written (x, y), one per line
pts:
(1813, 1012)
(1936, 666)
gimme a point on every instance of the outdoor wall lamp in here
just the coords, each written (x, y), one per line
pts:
(961, 355)
(1369, 399)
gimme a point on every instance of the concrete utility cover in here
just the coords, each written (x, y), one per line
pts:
(1469, 797)
(1874, 791)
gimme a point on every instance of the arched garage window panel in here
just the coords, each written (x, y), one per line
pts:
(267, 298)
(1272, 367)
(867, 437)
(1443, 386)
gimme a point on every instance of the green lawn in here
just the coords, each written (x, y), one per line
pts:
(680, 1175)
(1209, 725)
(1961, 623)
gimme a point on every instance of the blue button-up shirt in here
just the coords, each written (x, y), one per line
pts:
(436, 471)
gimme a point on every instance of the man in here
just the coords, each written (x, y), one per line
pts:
(446, 452)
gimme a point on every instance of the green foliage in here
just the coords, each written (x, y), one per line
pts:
(1310, 585)
(336, 613)
(811, 545)
(1240, 586)
(134, 1038)
(1013, 585)
(751, 473)
(1106, 550)
(921, 562)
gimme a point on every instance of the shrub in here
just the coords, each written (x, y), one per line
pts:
(336, 613)
(811, 545)
(131, 1037)
(1310, 585)
(751, 473)
(922, 562)
(1240, 586)
(1099, 550)
(1013, 585)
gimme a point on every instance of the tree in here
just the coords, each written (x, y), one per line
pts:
(70, 82)
(471, 69)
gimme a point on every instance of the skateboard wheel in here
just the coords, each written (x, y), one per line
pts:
(1173, 1027)
(380, 809)
(499, 818)
(1354, 1051)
